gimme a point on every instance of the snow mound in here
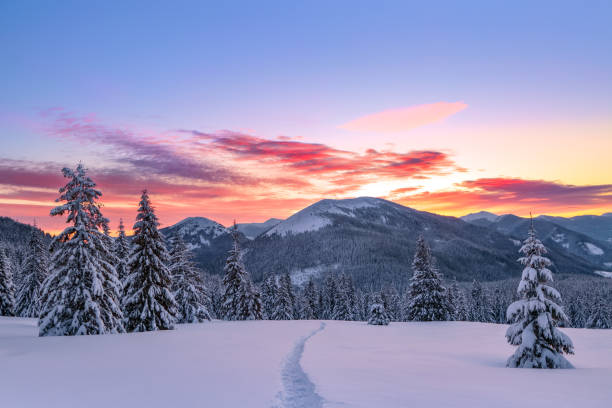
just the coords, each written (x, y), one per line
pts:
(593, 249)
(316, 216)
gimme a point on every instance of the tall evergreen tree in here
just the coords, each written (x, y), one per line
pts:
(187, 285)
(268, 296)
(35, 270)
(122, 253)
(535, 315)
(240, 299)
(148, 302)
(428, 296)
(250, 302)
(283, 304)
(452, 299)
(480, 306)
(329, 297)
(7, 289)
(309, 302)
(392, 302)
(81, 295)
(378, 315)
(343, 307)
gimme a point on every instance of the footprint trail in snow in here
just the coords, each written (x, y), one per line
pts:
(298, 390)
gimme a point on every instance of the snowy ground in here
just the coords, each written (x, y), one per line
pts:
(295, 364)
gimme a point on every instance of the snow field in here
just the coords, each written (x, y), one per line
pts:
(290, 364)
(450, 364)
(217, 364)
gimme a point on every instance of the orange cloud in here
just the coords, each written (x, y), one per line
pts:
(404, 119)
(514, 195)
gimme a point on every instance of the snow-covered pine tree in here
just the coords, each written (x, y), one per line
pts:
(122, 253)
(112, 285)
(498, 307)
(240, 299)
(452, 299)
(535, 314)
(187, 285)
(343, 310)
(7, 289)
(81, 294)
(427, 295)
(600, 315)
(351, 294)
(461, 306)
(392, 302)
(148, 303)
(268, 296)
(250, 302)
(378, 316)
(35, 270)
(309, 302)
(283, 305)
(329, 296)
(480, 305)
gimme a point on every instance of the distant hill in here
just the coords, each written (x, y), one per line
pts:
(373, 240)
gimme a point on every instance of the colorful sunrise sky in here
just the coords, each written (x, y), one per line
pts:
(256, 109)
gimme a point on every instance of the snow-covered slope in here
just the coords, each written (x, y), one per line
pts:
(254, 229)
(287, 364)
(318, 214)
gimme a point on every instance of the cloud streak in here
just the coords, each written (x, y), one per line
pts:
(404, 119)
(514, 195)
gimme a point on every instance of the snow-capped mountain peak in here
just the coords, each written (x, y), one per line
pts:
(196, 231)
(192, 225)
(481, 215)
(316, 216)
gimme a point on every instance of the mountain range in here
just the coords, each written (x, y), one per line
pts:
(373, 240)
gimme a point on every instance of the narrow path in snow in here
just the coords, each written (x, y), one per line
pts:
(298, 390)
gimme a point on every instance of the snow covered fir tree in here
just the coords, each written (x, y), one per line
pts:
(122, 253)
(81, 295)
(148, 303)
(187, 285)
(536, 314)
(283, 299)
(35, 270)
(240, 299)
(268, 296)
(428, 301)
(378, 315)
(7, 288)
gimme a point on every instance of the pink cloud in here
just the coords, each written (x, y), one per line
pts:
(404, 119)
